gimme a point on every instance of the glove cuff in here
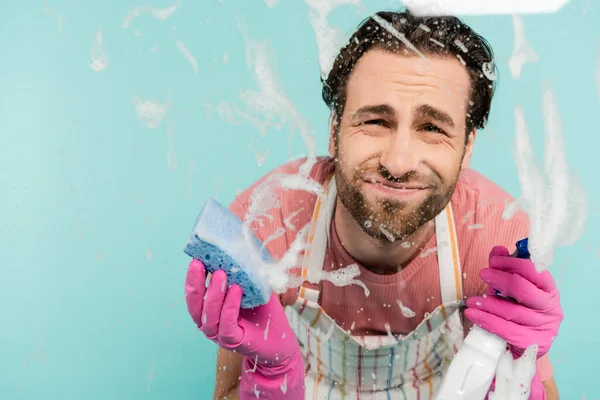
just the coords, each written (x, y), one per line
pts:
(285, 380)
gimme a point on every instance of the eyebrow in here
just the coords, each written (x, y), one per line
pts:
(422, 111)
(379, 109)
(427, 111)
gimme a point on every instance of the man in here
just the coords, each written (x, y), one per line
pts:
(401, 203)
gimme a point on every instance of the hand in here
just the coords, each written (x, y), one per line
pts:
(262, 334)
(533, 313)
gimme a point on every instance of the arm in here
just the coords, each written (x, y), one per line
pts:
(229, 371)
(551, 389)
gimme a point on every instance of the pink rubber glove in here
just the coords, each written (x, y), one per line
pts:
(273, 367)
(535, 314)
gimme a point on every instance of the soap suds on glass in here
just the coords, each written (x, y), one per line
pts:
(428, 252)
(99, 58)
(468, 215)
(150, 112)
(387, 234)
(158, 13)
(260, 158)
(288, 220)
(553, 197)
(283, 386)
(523, 52)
(475, 226)
(329, 39)
(187, 54)
(475, 7)
(388, 329)
(513, 377)
(407, 312)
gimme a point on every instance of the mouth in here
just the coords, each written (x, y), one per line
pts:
(395, 186)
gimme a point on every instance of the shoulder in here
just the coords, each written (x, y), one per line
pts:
(291, 209)
(318, 172)
(478, 205)
(477, 199)
(283, 210)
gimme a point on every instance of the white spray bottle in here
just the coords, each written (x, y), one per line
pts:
(472, 370)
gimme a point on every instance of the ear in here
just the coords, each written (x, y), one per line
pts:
(468, 150)
(332, 129)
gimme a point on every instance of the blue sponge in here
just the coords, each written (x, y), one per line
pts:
(218, 241)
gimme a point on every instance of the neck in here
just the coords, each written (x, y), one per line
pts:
(379, 256)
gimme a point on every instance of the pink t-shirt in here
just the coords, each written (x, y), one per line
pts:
(477, 204)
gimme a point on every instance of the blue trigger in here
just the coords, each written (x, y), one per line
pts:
(522, 248)
(522, 252)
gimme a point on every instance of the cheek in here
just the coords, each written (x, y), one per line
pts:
(356, 149)
(445, 162)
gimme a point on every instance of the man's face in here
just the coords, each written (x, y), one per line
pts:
(402, 141)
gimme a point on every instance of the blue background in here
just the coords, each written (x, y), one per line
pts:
(94, 216)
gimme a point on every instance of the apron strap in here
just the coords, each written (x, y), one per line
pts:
(448, 256)
(316, 243)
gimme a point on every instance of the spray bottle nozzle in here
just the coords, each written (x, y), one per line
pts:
(522, 252)
(523, 249)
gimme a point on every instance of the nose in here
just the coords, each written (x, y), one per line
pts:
(400, 155)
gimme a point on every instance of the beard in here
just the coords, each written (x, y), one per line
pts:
(387, 217)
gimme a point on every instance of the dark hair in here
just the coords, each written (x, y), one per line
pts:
(438, 36)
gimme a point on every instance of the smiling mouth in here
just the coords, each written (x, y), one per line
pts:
(401, 187)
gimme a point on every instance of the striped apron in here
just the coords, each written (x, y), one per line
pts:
(343, 366)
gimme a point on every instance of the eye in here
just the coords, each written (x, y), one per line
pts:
(433, 128)
(379, 122)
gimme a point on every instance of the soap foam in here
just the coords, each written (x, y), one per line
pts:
(329, 39)
(407, 312)
(187, 54)
(260, 158)
(478, 7)
(150, 112)
(555, 199)
(99, 59)
(513, 377)
(270, 100)
(523, 52)
(158, 13)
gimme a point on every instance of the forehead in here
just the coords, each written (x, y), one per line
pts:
(401, 81)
